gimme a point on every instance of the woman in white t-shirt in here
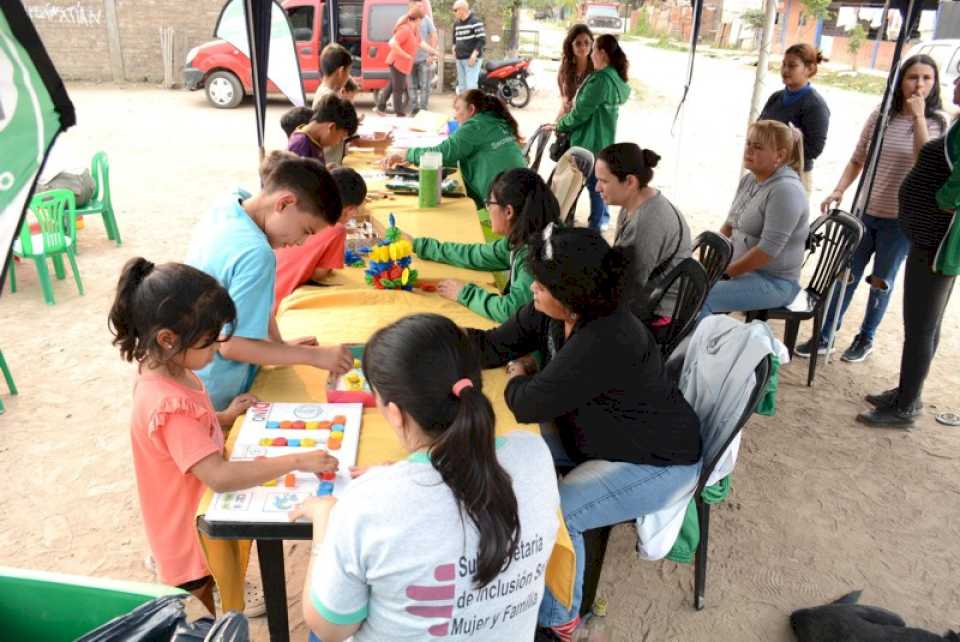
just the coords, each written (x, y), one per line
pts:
(454, 541)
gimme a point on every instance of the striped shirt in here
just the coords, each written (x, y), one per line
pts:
(896, 159)
(469, 36)
(921, 219)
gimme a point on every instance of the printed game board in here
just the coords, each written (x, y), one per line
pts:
(272, 429)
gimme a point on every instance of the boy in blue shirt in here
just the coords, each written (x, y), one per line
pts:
(234, 243)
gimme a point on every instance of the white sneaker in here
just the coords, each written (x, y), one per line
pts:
(255, 606)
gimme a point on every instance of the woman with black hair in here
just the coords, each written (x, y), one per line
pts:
(575, 64)
(915, 118)
(485, 144)
(592, 123)
(608, 410)
(650, 227)
(449, 541)
(520, 206)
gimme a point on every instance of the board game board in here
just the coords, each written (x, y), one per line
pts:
(272, 429)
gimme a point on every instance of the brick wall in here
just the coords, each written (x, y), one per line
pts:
(75, 34)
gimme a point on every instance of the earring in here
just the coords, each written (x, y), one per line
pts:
(573, 316)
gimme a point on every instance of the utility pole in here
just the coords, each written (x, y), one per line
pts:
(770, 12)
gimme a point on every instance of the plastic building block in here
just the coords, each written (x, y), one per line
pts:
(293, 443)
(311, 425)
(337, 427)
(308, 443)
(328, 475)
(325, 488)
(266, 441)
(290, 481)
(286, 425)
(333, 444)
(339, 419)
(273, 425)
(270, 483)
(390, 260)
(279, 441)
(323, 425)
(298, 425)
(357, 364)
(336, 434)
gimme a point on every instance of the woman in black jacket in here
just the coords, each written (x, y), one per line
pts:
(609, 412)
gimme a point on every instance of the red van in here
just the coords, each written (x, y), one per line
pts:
(364, 27)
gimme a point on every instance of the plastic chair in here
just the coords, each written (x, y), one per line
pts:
(100, 203)
(839, 234)
(595, 540)
(537, 143)
(55, 216)
(568, 179)
(8, 377)
(687, 282)
(714, 252)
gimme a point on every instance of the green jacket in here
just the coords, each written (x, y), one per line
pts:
(592, 123)
(484, 146)
(488, 257)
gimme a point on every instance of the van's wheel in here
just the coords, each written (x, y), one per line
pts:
(517, 92)
(224, 90)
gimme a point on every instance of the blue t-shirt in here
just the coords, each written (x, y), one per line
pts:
(229, 246)
(426, 30)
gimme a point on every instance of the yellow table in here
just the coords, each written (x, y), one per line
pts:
(349, 311)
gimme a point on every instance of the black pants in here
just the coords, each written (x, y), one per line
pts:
(399, 90)
(925, 298)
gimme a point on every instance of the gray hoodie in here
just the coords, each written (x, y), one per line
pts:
(774, 216)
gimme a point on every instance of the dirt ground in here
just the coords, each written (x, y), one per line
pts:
(820, 505)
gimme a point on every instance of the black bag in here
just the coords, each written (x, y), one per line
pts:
(559, 146)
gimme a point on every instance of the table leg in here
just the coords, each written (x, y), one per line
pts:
(274, 588)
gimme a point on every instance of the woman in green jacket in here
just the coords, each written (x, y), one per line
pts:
(521, 206)
(485, 144)
(592, 123)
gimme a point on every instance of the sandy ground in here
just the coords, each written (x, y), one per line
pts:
(820, 505)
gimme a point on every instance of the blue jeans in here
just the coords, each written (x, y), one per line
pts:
(468, 77)
(883, 240)
(420, 84)
(599, 214)
(602, 493)
(750, 291)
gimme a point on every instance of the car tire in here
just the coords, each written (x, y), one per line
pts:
(224, 90)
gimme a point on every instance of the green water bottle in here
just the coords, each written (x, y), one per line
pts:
(430, 173)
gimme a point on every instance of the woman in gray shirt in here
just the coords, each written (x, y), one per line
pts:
(649, 226)
(768, 224)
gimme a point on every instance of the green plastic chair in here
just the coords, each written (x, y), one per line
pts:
(54, 212)
(54, 607)
(100, 202)
(9, 377)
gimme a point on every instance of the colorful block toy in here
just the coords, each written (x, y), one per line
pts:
(279, 441)
(273, 425)
(390, 261)
(293, 443)
(328, 476)
(290, 481)
(325, 488)
(308, 443)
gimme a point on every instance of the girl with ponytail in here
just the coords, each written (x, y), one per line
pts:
(169, 320)
(607, 409)
(486, 143)
(520, 206)
(455, 535)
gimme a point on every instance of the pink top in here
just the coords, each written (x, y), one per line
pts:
(172, 428)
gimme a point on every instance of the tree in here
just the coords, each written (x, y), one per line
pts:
(855, 39)
(819, 9)
(754, 18)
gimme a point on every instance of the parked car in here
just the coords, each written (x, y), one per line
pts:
(364, 27)
(946, 53)
(603, 17)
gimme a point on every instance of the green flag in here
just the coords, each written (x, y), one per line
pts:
(34, 109)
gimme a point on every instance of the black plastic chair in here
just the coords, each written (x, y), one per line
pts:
(837, 236)
(595, 541)
(688, 283)
(714, 252)
(536, 144)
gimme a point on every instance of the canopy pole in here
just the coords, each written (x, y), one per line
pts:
(769, 13)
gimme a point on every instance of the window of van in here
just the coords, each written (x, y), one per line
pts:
(383, 18)
(301, 21)
(351, 16)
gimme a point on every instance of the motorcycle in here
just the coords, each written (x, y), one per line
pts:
(507, 79)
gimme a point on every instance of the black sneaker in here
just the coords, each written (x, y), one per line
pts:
(858, 350)
(883, 399)
(804, 349)
(889, 417)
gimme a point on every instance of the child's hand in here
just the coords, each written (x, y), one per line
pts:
(450, 289)
(317, 461)
(356, 471)
(392, 160)
(303, 341)
(237, 407)
(336, 359)
(312, 507)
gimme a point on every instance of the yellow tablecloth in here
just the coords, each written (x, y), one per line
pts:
(349, 311)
